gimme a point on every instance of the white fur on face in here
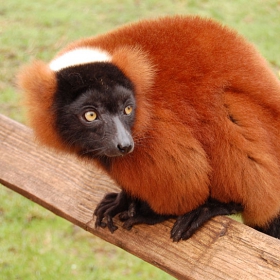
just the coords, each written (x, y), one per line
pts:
(78, 57)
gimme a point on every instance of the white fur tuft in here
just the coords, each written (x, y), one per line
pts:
(78, 57)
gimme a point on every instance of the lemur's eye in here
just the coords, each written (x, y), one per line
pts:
(90, 116)
(128, 110)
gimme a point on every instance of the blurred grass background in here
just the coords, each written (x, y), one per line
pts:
(34, 243)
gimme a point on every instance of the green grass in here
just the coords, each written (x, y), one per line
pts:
(34, 243)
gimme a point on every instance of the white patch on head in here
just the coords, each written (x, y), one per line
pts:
(78, 57)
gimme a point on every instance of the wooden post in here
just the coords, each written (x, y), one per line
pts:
(222, 249)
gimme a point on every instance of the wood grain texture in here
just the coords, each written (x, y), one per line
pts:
(222, 249)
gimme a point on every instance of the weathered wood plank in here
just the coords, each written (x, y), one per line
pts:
(222, 249)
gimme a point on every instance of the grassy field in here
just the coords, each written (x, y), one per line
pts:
(34, 243)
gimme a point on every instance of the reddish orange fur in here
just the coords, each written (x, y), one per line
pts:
(191, 76)
(39, 85)
(142, 76)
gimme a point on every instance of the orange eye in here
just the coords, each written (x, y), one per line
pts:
(90, 116)
(128, 110)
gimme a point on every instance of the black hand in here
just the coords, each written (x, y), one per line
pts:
(111, 205)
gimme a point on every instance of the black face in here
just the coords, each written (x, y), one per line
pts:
(95, 110)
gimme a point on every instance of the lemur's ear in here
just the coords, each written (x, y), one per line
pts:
(137, 66)
(38, 84)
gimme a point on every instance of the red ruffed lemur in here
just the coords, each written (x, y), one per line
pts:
(182, 112)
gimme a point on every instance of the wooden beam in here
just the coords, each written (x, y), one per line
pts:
(222, 249)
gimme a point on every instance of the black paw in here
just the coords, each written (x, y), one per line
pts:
(139, 212)
(186, 225)
(111, 205)
(131, 212)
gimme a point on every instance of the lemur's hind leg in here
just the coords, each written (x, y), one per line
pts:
(186, 225)
(140, 212)
(272, 229)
